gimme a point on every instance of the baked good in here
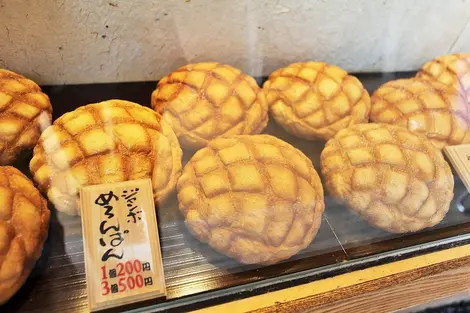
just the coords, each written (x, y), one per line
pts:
(24, 223)
(427, 107)
(314, 100)
(452, 70)
(204, 101)
(254, 198)
(105, 142)
(24, 112)
(394, 178)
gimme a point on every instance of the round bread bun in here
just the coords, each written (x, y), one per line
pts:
(395, 179)
(204, 101)
(25, 111)
(428, 107)
(314, 100)
(254, 198)
(452, 70)
(24, 223)
(106, 142)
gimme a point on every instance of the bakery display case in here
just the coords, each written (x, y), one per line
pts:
(266, 174)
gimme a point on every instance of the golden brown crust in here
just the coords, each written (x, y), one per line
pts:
(254, 198)
(204, 101)
(314, 100)
(24, 112)
(452, 70)
(24, 223)
(105, 142)
(428, 107)
(396, 179)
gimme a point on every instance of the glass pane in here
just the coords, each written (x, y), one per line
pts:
(299, 71)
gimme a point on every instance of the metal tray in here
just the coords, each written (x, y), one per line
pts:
(196, 275)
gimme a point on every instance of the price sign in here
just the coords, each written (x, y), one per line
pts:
(122, 249)
(459, 156)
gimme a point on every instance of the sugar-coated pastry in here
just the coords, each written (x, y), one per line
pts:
(428, 107)
(452, 70)
(254, 198)
(314, 100)
(395, 179)
(24, 224)
(105, 142)
(25, 111)
(204, 101)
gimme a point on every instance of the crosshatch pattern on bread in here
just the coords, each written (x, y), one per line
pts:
(452, 70)
(24, 223)
(254, 198)
(428, 107)
(395, 179)
(314, 100)
(105, 142)
(24, 112)
(204, 101)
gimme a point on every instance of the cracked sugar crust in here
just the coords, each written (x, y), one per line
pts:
(395, 179)
(428, 107)
(204, 101)
(452, 70)
(314, 100)
(24, 112)
(24, 223)
(105, 142)
(254, 198)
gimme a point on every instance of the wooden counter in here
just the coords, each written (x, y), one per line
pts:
(382, 288)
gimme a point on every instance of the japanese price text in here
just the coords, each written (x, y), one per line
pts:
(125, 276)
(128, 275)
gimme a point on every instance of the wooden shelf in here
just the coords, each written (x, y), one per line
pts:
(382, 288)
